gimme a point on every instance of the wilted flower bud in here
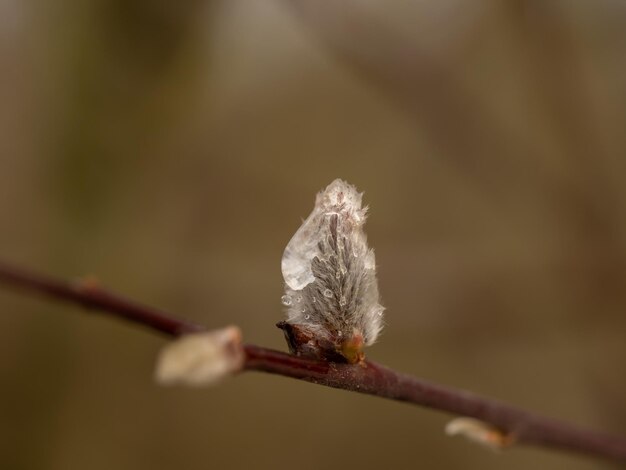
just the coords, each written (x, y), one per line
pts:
(331, 292)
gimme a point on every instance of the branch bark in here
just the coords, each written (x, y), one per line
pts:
(521, 426)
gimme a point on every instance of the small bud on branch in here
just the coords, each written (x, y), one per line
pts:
(201, 358)
(479, 432)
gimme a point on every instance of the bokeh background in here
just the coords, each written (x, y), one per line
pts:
(171, 149)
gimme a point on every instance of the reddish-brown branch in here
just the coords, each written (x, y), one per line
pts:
(369, 377)
(88, 294)
(375, 379)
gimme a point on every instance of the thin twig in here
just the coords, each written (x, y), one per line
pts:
(88, 294)
(370, 378)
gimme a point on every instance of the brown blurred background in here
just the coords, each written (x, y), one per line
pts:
(171, 149)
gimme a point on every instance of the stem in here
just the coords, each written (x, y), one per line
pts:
(87, 294)
(370, 378)
(374, 379)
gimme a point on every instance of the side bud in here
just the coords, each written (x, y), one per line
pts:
(201, 358)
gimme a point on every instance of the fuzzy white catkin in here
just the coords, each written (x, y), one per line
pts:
(329, 271)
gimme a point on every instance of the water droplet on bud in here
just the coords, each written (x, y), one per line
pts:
(286, 300)
(328, 293)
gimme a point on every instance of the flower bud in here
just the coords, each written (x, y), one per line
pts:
(479, 432)
(331, 291)
(201, 358)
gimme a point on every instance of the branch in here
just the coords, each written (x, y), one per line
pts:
(516, 424)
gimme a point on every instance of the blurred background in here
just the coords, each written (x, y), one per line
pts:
(171, 149)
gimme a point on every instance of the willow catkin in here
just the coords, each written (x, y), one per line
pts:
(331, 291)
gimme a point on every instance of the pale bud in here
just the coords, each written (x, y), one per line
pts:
(201, 358)
(479, 432)
(331, 291)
